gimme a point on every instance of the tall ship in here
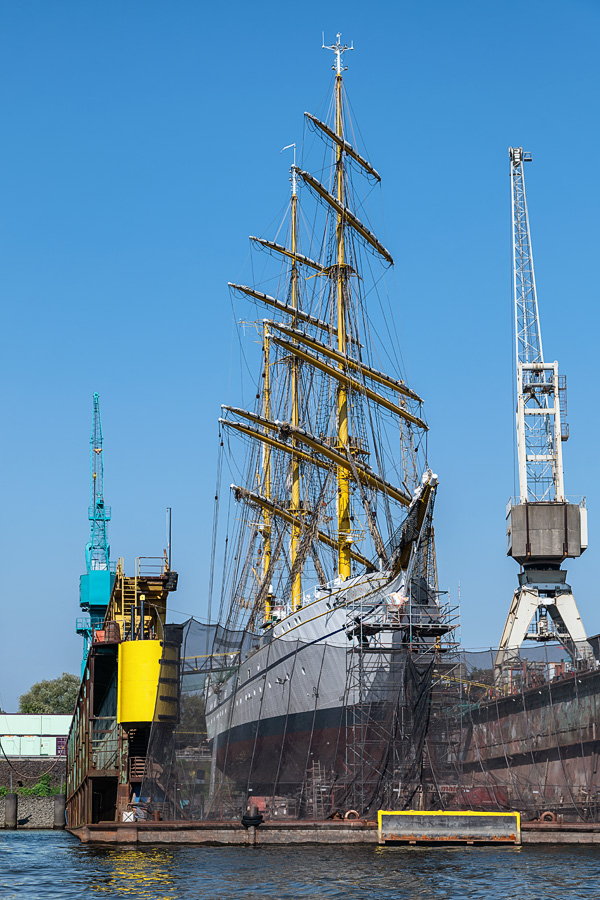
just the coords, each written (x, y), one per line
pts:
(331, 628)
(311, 695)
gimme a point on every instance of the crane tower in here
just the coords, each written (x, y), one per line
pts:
(543, 527)
(96, 585)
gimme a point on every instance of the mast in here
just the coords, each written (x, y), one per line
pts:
(266, 461)
(318, 422)
(343, 479)
(295, 417)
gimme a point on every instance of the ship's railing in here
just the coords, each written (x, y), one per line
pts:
(83, 625)
(107, 513)
(320, 590)
(523, 674)
(150, 565)
(281, 610)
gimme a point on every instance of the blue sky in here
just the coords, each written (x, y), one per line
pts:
(141, 147)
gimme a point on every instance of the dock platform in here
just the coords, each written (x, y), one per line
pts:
(330, 831)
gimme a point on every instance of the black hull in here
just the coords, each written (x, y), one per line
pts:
(274, 755)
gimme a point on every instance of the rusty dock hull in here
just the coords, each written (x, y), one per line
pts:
(537, 751)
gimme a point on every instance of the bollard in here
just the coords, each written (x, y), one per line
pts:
(59, 811)
(250, 821)
(10, 810)
(252, 811)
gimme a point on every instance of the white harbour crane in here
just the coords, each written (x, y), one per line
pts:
(543, 527)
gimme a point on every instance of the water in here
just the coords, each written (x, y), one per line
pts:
(53, 865)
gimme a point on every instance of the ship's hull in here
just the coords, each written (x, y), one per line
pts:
(300, 701)
(281, 749)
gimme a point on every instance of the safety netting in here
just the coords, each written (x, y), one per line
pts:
(321, 731)
(325, 734)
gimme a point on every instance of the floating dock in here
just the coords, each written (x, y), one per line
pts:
(331, 831)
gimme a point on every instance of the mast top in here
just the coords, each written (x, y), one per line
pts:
(339, 49)
(293, 170)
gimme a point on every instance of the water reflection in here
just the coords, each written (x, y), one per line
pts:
(129, 871)
(55, 866)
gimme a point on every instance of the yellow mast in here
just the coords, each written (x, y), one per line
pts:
(267, 474)
(343, 477)
(295, 504)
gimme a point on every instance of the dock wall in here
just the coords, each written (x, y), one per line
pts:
(329, 832)
(326, 832)
(29, 769)
(33, 812)
(540, 749)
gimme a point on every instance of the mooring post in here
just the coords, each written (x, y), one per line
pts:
(10, 810)
(252, 811)
(59, 811)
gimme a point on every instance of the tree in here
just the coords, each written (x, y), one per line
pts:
(192, 728)
(55, 697)
(483, 676)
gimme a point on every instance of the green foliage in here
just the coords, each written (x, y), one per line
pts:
(483, 676)
(42, 789)
(55, 697)
(192, 724)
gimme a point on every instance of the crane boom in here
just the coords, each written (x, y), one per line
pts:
(96, 585)
(539, 427)
(97, 550)
(527, 331)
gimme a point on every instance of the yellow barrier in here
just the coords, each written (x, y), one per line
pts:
(139, 669)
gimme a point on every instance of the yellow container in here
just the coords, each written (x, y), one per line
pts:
(139, 670)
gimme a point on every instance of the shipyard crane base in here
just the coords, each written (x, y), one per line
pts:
(554, 617)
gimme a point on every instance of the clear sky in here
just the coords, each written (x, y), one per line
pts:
(140, 147)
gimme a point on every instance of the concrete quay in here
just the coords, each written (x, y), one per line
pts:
(206, 832)
(555, 833)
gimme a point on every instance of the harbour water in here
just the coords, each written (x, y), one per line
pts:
(52, 865)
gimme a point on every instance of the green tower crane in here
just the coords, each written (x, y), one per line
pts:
(96, 585)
